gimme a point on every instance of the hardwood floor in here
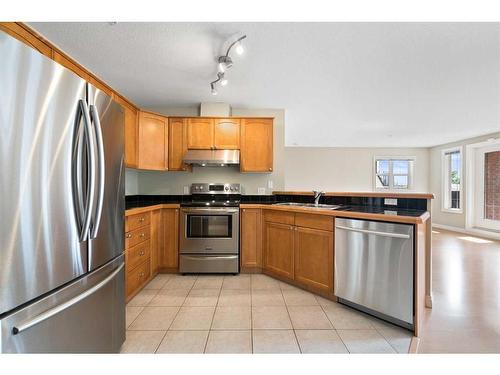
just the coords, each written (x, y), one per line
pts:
(465, 317)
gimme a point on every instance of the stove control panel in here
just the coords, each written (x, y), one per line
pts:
(215, 188)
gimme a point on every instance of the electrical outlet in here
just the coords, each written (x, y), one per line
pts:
(261, 191)
(186, 190)
(390, 202)
(270, 184)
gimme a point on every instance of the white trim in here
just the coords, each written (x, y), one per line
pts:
(391, 189)
(470, 181)
(444, 181)
(473, 231)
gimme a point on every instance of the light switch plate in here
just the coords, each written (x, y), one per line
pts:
(390, 201)
(186, 190)
(270, 184)
(261, 191)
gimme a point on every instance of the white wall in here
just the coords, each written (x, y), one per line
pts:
(346, 169)
(152, 182)
(435, 178)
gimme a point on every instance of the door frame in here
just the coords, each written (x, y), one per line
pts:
(471, 194)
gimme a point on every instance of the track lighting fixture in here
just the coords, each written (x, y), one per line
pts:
(225, 62)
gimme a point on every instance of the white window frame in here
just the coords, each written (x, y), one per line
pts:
(445, 192)
(391, 187)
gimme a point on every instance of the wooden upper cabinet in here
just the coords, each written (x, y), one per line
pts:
(278, 251)
(153, 141)
(313, 264)
(251, 238)
(177, 146)
(131, 131)
(256, 145)
(27, 37)
(227, 134)
(200, 133)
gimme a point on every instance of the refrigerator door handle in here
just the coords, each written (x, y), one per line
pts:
(63, 306)
(76, 170)
(89, 201)
(101, 170)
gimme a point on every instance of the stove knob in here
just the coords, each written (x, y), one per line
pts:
(226, 188)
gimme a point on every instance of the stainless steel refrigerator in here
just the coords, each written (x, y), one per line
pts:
(61, 209)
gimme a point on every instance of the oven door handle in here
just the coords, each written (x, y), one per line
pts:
(214, 210)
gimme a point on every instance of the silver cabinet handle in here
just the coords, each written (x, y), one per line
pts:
(129, 235)
(101, 170)
(374, 232)
(141, 220)
(142, 235)
(90, 173)
(63, 306)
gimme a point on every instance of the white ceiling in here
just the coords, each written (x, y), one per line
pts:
(341, 84)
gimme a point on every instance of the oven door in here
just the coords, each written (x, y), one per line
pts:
(209, 231)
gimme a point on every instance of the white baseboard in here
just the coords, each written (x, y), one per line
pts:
(472, 232)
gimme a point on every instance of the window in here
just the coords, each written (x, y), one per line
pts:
(394, 173)
(452, 180)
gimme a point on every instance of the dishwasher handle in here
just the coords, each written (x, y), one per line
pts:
(374, 232)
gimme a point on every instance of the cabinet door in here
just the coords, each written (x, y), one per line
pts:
(278, 251)
(256, 145)
(169, 256)
(227, 134)
(153, 146)
(131, 135)
(314, 258)
(177, 147)
(200, 133)
(156, 239)
(251, 238)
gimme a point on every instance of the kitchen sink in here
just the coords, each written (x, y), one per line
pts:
(310, 205)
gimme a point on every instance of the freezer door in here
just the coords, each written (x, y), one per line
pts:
(374, 267)
(87, 316)
(40, 248)
(108, 228)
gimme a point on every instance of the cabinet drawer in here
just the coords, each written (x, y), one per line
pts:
(136, 221)
(136, 236)
(138, 277)
(137, 254)
(314, 221)
(279, 217)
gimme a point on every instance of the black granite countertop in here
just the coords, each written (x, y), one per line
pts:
(405, 206)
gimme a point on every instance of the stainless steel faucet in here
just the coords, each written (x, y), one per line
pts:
(317, 196)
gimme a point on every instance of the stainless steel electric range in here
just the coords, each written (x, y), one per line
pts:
(209, 240)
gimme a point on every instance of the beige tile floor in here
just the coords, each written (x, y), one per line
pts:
(249, 314)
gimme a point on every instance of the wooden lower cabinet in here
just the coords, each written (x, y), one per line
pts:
(169, 255)
(156, 240)
(251, 239)
(137, 278)
(313, 250)
(279, 249)
(303, 255)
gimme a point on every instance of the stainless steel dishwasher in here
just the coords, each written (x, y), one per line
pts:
(374, 268)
